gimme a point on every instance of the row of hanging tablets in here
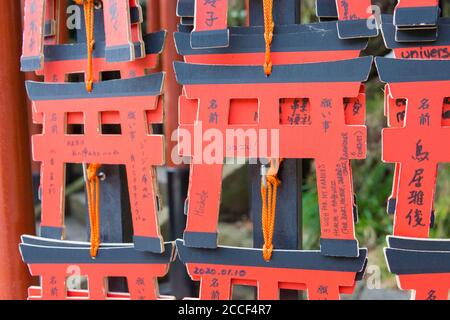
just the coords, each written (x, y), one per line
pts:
(417, 110)
(314, 98)
(225, 88)
(132, 99)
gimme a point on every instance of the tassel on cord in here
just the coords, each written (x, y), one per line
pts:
(92, 180)
(93, 197)
(269, 187)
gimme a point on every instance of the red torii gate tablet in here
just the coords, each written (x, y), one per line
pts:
(55, 261)
(333, 145)
(128, 102)
(119, 43)
(416, 20)
(395, 109)
(51, 29)
(33, 35)
(416, 14)
(123, 35)
(292, 44)
(421, 265)
(324, 278)
(210, 24)
(415, 146)
(438, 49)
(356, 19)
(137, 18)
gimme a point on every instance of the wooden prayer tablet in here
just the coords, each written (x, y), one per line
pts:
(323, 278)
(132, 103)
(55, 261)
(414, 145)
(325, 85)
(421, 265)
(356, 19)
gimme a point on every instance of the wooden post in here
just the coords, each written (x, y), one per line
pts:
(153, 20)
(115, 214)
(169, 21)
(288, 226)
(284, 12)
(177, 176)
(16, 199)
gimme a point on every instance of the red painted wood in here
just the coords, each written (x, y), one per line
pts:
(136, 148)
(308, 141)
(142, 281)
(426, 286)
(210, 15)
(411, 146)
(118, 25)
(33, 30)
(319, 285)
(278, 58)
(136, 28)
(395, 111)
(417, 3)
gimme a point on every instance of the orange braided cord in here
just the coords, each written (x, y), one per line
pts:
(269, 26)
(269, 206)
(89, 6)
(93, 197)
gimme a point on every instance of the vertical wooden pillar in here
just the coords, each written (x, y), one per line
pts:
(115, 211)
(153, 20)
(177, 176)
(169, 22)
(16, 200)
(284, 12)
(288, 224)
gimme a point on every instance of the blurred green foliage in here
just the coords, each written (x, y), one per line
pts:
(237, 15)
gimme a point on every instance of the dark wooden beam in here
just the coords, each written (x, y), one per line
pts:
(288, 227)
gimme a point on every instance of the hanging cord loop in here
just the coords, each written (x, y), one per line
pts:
(269, 187)
(93, 198)
(91, 177)
(91, 173)
(89, 6)
(269, 26)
